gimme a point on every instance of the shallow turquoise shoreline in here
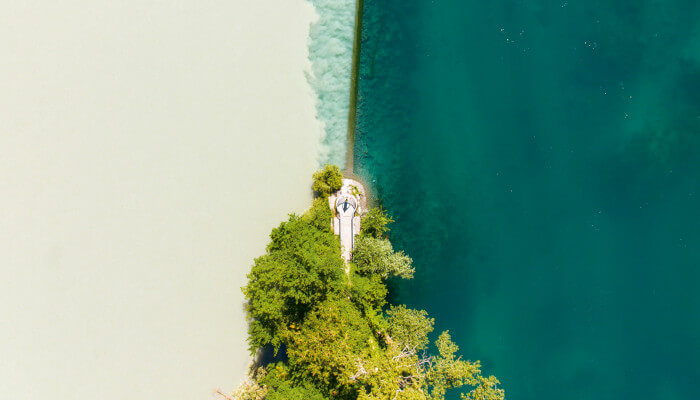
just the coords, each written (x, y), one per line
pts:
(331, 53)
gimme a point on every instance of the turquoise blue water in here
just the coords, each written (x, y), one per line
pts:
(542, 160)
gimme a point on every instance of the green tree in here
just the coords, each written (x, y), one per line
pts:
(487, 389)
(408, 327)
(367, 292)
(377, 256)
(280, 385)
(327, 180)
(302, 266)
(327, 347)
(448, 371)
(404, 374)
(339, 342)
(375, 221)
(319, 215)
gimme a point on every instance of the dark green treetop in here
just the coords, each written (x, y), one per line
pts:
(327, 181)
(281, 385)
(302, 266)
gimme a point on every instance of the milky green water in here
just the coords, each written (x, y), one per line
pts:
(542, 160)
(138, 143)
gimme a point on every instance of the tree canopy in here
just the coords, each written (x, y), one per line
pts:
(302, 266)
(341, 340)
(409, 328)
(377, 256)
(280, 384)
(375, 222)
(327, 181)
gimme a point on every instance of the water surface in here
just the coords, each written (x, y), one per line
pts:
(542, 160)
(138, 144)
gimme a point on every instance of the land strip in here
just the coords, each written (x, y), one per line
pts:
(354, 84)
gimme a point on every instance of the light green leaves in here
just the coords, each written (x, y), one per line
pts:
(377, 256)
(374, 223)
(409, 328)
(327, 181)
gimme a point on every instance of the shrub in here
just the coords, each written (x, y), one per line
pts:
(327, 180)
(374, 223)
(377, 256)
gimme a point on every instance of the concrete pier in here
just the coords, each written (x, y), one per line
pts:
(348, 204)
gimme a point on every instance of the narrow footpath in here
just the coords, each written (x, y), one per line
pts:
(348, 204)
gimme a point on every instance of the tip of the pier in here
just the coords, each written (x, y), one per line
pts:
(348, 205)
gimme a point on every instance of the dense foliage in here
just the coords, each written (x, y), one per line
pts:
(340, 340)
(327, 181)
(409, 328)
(374, 256)
(375, 223)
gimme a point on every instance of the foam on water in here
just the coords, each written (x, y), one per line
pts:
(330, 52)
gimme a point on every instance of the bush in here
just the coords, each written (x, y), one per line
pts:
(327, 180)
(377, 256)
(374, 223)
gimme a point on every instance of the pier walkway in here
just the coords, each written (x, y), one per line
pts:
(347, 205)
